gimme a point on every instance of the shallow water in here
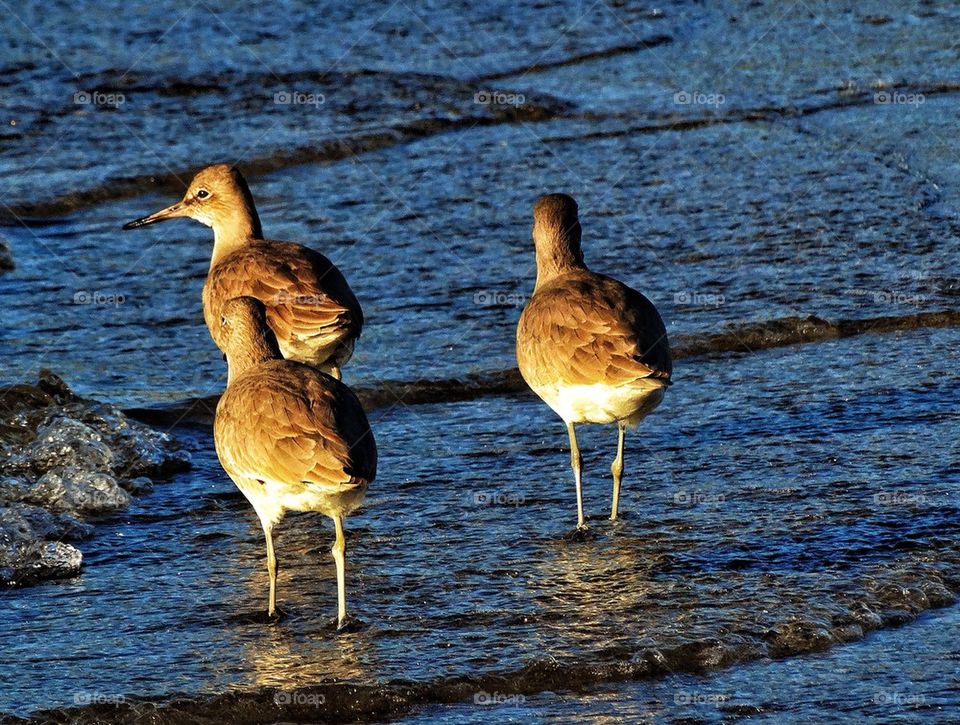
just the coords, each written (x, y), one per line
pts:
(778, 502)
(775, 524)
(844, 212)
(886, 678)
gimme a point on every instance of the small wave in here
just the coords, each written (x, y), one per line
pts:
(846, 97)
(418, 104)
(741, 338)
(538, 67)
(800, 330)
(894, 594)
(322, 152)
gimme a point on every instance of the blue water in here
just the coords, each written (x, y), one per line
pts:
(888, 677)
(774, 524)
(779, 502)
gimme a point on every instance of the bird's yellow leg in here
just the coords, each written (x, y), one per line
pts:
(338, 550)
(576, 462)
(271, 568)
(616, 468)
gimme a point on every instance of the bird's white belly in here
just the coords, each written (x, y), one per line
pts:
(320, 352)
(272, 499)
(599, 403)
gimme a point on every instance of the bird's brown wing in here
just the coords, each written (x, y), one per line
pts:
(285, 422)
(585, 328)
(307, 298)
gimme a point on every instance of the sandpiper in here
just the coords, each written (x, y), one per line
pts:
(290, 436)
(593, 349)
(310, 307)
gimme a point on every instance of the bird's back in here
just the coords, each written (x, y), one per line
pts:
(310, 306)
(296, 431)
(585, 336)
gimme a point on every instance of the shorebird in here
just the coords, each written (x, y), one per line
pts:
(291, 437)
(310, 307)
(593, 349)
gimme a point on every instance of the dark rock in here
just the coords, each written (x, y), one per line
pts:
(6, 258)
(37, 561)
(32, 546)
(63, 458)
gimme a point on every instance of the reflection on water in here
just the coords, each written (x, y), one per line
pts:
(285, 662)
(743, 550)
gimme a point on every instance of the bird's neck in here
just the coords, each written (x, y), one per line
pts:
(557, 254)
(251, 355)
(234, 232)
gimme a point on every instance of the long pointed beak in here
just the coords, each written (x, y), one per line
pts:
(178, 209)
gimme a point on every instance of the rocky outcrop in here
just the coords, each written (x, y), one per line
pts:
(64, 460)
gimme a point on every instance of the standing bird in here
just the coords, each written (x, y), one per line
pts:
(291, 437)
(310, 307)
(593, 349)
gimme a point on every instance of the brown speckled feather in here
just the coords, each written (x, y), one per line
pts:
(310, 307)
(584, 328)
(289, 423)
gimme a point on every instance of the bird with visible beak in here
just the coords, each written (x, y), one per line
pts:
(309, 306)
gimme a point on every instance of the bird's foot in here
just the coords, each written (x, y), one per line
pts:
(276, 615)
(259, 616)
(581, 533)
(349, 624)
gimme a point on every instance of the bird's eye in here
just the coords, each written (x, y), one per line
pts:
(223, 320)
(203, 194)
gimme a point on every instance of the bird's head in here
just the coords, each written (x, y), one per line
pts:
(556, 235)
(218, 197)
